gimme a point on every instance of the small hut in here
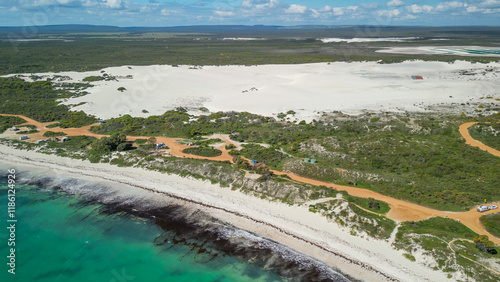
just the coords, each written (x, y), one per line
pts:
(307, 160)
(313, 161)
(64, 139)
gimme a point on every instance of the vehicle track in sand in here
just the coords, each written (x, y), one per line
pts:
(464, 131)
(400, 210)
(450, 246)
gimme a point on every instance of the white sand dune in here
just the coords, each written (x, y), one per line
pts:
(368, 39)
(308, 89)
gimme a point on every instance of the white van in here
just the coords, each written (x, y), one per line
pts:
(482, 208)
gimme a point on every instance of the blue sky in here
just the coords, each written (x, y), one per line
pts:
(249, 12)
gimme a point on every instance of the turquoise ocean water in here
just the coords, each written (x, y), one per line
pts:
(65, 237)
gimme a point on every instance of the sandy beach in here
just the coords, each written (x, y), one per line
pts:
(294, 226)
(307, 89)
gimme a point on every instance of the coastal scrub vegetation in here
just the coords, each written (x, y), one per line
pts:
(39, 100)
(31, 129)
(415, 157)
(203, 151)
(53, 134)
(492, 223)
(485, 245)
(355, 219)
(370, 204)
(7, 122)
(74, 50)
(429, 238)
(487, 133)
(116, 142)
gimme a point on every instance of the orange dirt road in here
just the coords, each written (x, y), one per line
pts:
(400, 210)
(464, 130)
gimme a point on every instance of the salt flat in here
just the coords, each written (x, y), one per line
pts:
(308, 89)
(446, 50)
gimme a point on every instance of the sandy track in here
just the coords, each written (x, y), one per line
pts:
(464, 131)
(450, 246)
(400, 210)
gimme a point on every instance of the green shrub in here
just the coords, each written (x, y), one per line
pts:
(93, 78)
(492, 223)
(53, 134)
(203, 151)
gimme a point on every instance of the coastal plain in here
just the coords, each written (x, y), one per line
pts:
(346, 114)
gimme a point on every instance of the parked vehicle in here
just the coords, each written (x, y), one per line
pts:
(492, 207)
(482, 208)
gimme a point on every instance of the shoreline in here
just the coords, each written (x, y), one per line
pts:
(293, 226)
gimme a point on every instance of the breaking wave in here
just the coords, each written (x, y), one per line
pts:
(184, 223)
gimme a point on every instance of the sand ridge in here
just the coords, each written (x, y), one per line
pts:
(308, 89)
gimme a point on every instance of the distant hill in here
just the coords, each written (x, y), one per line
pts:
(255, 30)
(75, 28)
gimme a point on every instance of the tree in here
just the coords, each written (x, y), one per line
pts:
(116, 139)
(240, 162)
(123, 146)
(484, 244)
(151, 140)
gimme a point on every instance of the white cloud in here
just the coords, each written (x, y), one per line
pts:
(338, 11)
(224, 13)
(246, 4)
(327, 8)
(39, 3)
(113, 4)
(389, 13)
(268, 4)
(149, 8)
(370, 6)
(296, 9)
(315, 13)
(473, 9)
(88, 3)
(167, 12)
(416, 9)
(446, 6)
(408, 17)
(490, 4)
(395, 3)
